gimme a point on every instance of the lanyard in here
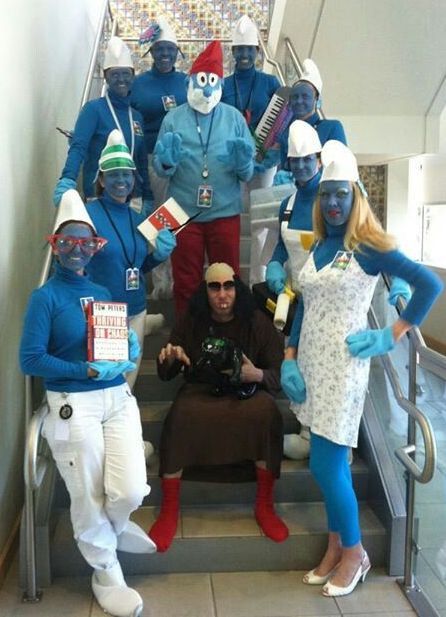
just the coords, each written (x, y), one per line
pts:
(204, 149)
(115, 118)
(130, 262)
(246, 111)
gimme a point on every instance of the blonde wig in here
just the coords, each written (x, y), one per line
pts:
(363, 227)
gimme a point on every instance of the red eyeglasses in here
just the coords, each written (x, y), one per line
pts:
(65, 244)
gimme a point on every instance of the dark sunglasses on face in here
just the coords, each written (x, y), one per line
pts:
(215, 286)
(65, 244)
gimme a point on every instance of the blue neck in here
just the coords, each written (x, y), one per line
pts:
(334, 231)
(245, 73)
(119, 102)
(310, 186)
(158, 73)
(111, 204)
(68, 276)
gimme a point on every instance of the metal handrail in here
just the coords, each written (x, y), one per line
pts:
(35, 466)
(299, 68)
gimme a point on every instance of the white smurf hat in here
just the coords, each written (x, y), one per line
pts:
(245, 32)
(158, 31)
(72, 208)
(117, 54)
(339, 162)
(311, 74)
(302, 139)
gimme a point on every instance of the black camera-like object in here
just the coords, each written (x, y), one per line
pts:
(220, 365)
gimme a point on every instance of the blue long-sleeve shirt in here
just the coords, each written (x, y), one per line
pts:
(54, 339)
(148, 90)
(301, 214)
(427, 285)
(250, 89)
(186, 178)
(326, 130)
(93, 126)
(108, 267)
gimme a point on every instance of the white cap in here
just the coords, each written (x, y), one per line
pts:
(302, 139)
(339, 162)
(166, 32)
(72, 208)
(245, 32)
(311, 74)
(117, 54)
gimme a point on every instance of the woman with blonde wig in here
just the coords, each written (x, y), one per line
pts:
(326, 366)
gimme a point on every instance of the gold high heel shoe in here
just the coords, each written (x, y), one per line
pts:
(310, 578)
(360, 574)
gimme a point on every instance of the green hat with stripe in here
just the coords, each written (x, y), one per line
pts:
(116, 154)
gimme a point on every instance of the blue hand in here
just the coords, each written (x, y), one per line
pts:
(370, 343)
(283, 177)
(239, 154)
(62, 186)
(134, 348)
(108, 370)
(164, 245)
(168, 149)
(275, 277)
(398, 288)
(292, 381)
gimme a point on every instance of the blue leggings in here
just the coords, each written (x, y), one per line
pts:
(329, 465)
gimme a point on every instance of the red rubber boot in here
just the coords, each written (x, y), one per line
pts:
(164, 528)
(272, 526)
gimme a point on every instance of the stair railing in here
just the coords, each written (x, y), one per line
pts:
(35, 466)
(298, 67)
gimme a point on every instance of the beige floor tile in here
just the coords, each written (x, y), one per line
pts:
(145, 517)
(268, 594)
(385, 614)
(379, 594)
(219, 521)
(67, 597)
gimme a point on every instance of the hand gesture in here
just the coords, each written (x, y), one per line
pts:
(164, 244)
(168, 149)
(170, 353)
(292, 381)
(249, 373)
(239, 153)
(275, 277)
(134, 348)
(370, 343)
(107, 370)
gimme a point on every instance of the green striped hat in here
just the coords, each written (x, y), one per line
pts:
(116, 155)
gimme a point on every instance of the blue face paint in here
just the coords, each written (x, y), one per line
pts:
(119, 80)
(204, 91)
(76, 259)
(244, 56)
(303, 100)
(304, 168)
(164, 54)
(336, 199)
(119, 183)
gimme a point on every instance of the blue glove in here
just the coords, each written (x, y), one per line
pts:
(169, 151)
(164, 244)
(275, 277)
(62, 186)
(293, 383)
(271, 159)
(147, 207)
(108, 370)
(134, 348)
(239, 154)
(370, 343)
(399, 288)
(283, 177)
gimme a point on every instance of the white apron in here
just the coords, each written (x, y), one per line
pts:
(336, 305)
(297, 254)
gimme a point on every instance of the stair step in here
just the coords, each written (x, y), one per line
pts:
(224, 538)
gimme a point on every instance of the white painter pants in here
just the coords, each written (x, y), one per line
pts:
(100, 456)
(138, 323)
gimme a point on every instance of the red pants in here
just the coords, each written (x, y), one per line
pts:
(219, 239)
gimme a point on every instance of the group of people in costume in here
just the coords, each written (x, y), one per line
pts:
(160, 135)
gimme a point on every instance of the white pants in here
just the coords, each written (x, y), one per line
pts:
(137, 323)
(100, 456)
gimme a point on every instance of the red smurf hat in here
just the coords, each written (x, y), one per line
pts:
(209, 61)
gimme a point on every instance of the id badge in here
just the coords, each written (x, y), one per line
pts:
(204, 196)
(169, 102)
(342, 260)
(132, 279)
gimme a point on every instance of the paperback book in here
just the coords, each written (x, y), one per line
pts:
(108, 331)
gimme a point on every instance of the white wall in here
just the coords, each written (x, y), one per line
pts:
(48, 45)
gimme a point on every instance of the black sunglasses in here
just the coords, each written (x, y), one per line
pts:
(215, 286)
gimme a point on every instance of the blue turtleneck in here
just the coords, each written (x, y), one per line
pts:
(301, 214)
(93, 126)
(249, 89)
(108, 266)
(54, 339)
(427, 285)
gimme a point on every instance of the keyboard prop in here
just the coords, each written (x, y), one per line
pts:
(274, 122)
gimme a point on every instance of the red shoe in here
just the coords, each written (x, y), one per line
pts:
(271, 524)
(164, 528)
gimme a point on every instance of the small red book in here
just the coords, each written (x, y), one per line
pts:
(170, 215)
(108, 331)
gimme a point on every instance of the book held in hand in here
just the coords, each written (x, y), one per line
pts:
(170, 215)
(108, 332)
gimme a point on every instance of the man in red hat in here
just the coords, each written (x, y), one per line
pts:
(205, 149)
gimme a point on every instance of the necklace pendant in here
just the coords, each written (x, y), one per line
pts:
(205, 172)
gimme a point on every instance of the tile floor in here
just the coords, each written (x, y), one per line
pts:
(231, 594)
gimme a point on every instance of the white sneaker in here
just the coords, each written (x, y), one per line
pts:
(113, 595)
(148, 450)
(133, 539)
(297, 447)
(153, 323)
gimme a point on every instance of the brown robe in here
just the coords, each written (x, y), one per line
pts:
(219, 438)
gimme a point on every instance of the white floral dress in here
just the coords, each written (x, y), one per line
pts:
(297, 255)
(336, 302)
